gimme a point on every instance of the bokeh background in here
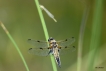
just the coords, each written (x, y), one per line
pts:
(22, 20)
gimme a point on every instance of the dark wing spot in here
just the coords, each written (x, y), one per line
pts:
(66, 40)
(65, 46)
(30, 48)
(48, 48)
(73, 46)
(38, 41)
(72, 37)
(41, 48)
(29, 39)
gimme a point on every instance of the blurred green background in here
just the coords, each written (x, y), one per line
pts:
(22, 20)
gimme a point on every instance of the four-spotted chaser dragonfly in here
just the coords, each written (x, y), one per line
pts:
(53, 47)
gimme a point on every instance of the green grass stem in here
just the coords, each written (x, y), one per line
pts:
(45, 32)
(12, 40)
(96, 33)
(81, 36)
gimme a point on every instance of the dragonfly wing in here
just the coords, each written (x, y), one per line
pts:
(38, 44)
(64, 46)
(39, 51)
(67, 50)
(65, 43)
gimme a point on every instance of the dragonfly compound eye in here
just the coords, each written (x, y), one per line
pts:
(50, 39)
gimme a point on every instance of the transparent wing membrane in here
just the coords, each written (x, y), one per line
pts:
(67, 50)
(66, 43)
(40, 52)
(42, 49)
(38, 44)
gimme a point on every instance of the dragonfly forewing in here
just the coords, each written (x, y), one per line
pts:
(65, 46)
(38, 44)
(66, 43)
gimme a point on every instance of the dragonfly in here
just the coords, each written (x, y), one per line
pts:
(53, 47)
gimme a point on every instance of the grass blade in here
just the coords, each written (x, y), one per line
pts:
(96, 33)
(45, 32)
(81, 36)
(12, 40)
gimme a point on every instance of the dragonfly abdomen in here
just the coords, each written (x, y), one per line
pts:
(58, 61)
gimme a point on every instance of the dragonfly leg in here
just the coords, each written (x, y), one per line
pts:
(51, 51)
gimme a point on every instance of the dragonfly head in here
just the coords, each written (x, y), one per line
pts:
(50, 39)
